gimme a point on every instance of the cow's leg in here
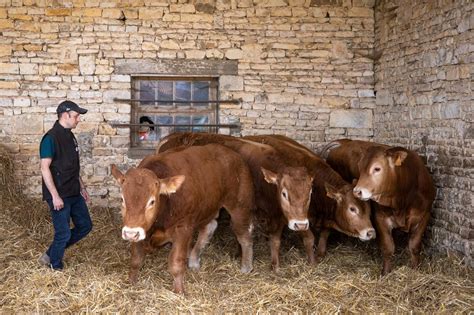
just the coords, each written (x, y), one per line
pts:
(414, 243)
(205, 234)
(322, 243)
(308, 240)
(386, 243)
(275, 242)
(137, 259)
(177, 258)
(243, 228)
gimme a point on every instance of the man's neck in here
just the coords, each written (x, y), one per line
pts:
(63, 124)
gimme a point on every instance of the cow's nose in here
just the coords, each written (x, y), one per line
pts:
(131, 235)
(370, 234)
(301, 226)
(357, 192)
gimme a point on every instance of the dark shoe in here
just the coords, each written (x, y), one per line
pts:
(44, 260)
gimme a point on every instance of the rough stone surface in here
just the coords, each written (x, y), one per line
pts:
(354, 118)
(425, 102)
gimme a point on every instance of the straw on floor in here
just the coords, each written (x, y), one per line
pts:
(95, 277)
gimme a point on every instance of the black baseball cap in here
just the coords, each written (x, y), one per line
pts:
(68, 106)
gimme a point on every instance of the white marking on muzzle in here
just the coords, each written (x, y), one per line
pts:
(367, 234)
(134, 234)
(298, 225)
(364, 194)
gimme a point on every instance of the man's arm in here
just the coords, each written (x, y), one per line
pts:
(58, 203)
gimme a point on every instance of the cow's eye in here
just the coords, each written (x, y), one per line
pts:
(377, 169)
(151, 202)
(353, 209)
(284, 194)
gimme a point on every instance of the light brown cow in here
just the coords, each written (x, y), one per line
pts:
(171, 195)
(333, 205)
(282, 192)
(397, 180)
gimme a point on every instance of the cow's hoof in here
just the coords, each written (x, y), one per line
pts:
(133, 279)
(318, 259)
(194, 264)
(246, 269)
(276, 269)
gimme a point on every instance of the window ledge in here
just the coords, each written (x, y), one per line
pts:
(140, 153)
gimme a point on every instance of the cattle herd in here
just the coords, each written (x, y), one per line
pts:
(361, 189)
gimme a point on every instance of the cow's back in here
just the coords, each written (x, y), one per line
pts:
(213, 174)
(344, 156)
(292, 152)
(256, 155)
(298, 155)
(188, 139)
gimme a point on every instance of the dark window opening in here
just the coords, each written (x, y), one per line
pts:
(165, 105)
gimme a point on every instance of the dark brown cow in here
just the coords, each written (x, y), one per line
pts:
(171, 195)
(333, 205)
(397, 180)
(282, 192)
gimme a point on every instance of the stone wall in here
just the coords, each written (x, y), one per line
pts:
(424, 68)
(305, 69)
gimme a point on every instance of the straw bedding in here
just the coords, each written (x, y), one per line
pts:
(95, 277)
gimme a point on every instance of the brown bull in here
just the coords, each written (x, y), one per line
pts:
(399, 183)
(333, 205)
(170, 196)
(282, 192)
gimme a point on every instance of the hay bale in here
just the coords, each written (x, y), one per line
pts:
(95, 277)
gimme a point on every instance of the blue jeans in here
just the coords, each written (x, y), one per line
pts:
(75, 208)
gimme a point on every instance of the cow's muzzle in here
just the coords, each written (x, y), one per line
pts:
(361, 193)
(298, 225)
(367, 234)
(134, 234)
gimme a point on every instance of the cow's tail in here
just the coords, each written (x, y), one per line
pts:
(328, 147)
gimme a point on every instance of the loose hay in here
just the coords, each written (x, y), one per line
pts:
(95, 278)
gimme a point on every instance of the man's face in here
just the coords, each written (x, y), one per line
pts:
(71, 119)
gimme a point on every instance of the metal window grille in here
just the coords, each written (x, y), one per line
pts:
(161, 106)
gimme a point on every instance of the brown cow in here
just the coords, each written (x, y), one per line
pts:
(171, 195)
(333, 205)
(397, 180)
(282, 192)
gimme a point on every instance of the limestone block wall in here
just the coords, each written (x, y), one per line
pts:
(424, 101)
(304, 68)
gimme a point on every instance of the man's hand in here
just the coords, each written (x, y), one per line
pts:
(85, 194)
(58, 203)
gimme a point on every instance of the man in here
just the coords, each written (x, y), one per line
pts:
(145, 128)
(63, 188)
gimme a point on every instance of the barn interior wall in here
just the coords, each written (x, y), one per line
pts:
(305, 69)
(423, 72)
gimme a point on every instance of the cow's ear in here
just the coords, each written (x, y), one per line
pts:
(170, 185)
(117, 174)
(269, 176)
(332, 192)
(396, 156)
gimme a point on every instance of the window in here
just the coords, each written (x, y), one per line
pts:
(176, 104)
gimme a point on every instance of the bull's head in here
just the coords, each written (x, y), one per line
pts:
(378, 173)
(141, 190)
(294, 186)
(352, 216)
